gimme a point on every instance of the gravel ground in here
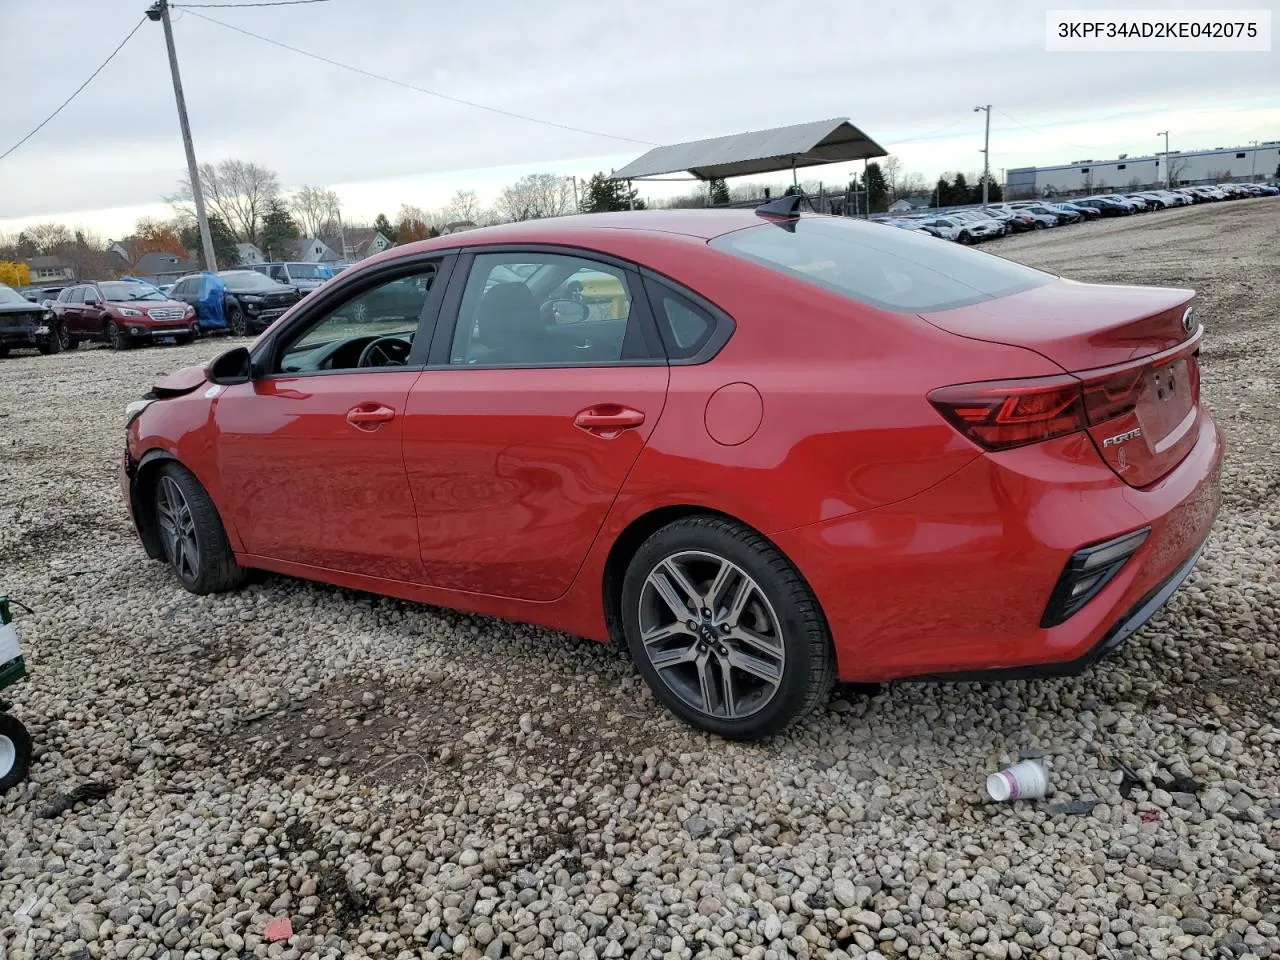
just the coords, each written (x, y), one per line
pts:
(403, 782)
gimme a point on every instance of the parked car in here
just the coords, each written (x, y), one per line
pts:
(302, 276)
(1086, 213)
(121, 313)
(241, 301)
(1059, 216)
(976, 226)
(25, 324)
(41, 294)
(949, 501)
(1105, 206)
(943, 228)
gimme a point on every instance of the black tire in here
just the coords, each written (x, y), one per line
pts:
(115, 338)
(64, 338)
(965, 238)
(213, 568)
(807, 670)
(236, 322)
(1039, 225)
(15, 752)
(72, 342)
(4, 351)
(50, 344)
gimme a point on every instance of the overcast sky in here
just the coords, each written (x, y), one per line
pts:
(909, 74)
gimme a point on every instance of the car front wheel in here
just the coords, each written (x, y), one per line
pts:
(115, 337)
(724, 630)
(235, 320)
(15, 752)
(191, 532)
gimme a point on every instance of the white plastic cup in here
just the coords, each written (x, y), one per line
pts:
(1028, 780)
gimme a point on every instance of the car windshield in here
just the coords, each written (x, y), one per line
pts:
(120, 290)
(308, 271)
(891, 269)
(9, 295)
(247, 280)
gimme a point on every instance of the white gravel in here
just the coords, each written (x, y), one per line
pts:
(406, 782)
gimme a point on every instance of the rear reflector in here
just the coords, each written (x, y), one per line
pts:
(1087, 572)
(1002, 414)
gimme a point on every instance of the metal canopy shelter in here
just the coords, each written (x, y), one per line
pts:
(760, 151)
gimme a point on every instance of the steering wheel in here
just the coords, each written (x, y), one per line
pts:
(393, 351)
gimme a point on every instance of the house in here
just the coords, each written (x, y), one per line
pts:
(45, 269)
(313, 250)
(160, 267)
(249, 254)
(909, 204)
(457, 226)
(124, 252)
(360, 242)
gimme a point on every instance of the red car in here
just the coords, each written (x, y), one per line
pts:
(765, 451)
(122, 313)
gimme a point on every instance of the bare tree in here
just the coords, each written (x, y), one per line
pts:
(314, 208)
(1177, 167)
(465, 205)
(44, 238)
(237, 190)
(535, 196)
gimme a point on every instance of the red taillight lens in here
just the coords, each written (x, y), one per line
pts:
(1112, 396)
(1005, 414)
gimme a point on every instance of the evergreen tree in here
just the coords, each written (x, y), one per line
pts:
(224, 243)
(279, 230)
(603, 195)
(719, 191)
(877, 188)
(384, 227)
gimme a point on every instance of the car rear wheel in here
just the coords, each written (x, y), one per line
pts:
(235, 320)
(194, 540)
(15, 752)
(965, 238)
(1039, 225)
(724, 630)
(115, 338)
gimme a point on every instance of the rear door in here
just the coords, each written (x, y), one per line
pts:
(68, 309)
(546, 379)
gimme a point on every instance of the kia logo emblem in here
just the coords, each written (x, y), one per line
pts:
(1187, 323)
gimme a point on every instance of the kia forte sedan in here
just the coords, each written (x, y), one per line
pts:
(764, 451)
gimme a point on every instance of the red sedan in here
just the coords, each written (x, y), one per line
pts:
(765, 451)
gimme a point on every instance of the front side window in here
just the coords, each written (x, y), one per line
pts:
(555, 309)
(375, 328)
(889, 269)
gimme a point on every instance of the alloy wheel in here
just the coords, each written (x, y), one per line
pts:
(113, 336)
(711, 634)
(8, 755)
(64, 338)
(237, 322)
(177, 529)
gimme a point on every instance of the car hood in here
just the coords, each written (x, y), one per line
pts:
(180, 381)
(27, 307)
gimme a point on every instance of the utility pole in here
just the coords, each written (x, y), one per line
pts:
(160, 11)
(1253, 161)
(1168, 174)
(986, 153)
(577, 204)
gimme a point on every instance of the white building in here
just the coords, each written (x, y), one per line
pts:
(1185, 167)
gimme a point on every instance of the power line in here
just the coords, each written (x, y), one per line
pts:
(77, 90)
(414, 87)
(1044, 133)
(233, 6)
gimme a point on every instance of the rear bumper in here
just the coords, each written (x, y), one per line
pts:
(955, 580)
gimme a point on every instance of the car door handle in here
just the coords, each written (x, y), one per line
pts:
(607, 420)
(368, 416)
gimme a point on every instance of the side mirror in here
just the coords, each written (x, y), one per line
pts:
(92, 302)
(234, 366)
(569, 311)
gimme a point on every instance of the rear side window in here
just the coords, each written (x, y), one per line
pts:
(889, 269)
(686, 327)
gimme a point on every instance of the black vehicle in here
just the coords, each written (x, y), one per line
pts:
(250, 302)
(43, 295)
(26, 324)
(1105, 206)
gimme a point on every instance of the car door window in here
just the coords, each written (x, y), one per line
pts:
(374, 328)
(278, 273)
(545, 309)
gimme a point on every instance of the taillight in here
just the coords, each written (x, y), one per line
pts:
(1112, 396)
(1003, 414)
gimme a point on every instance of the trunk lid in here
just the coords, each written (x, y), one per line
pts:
(1131, 349)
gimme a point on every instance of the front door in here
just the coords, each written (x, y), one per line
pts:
(310, 453)
(520, 434)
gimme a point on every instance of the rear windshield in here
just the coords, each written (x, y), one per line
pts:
(897, 270)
